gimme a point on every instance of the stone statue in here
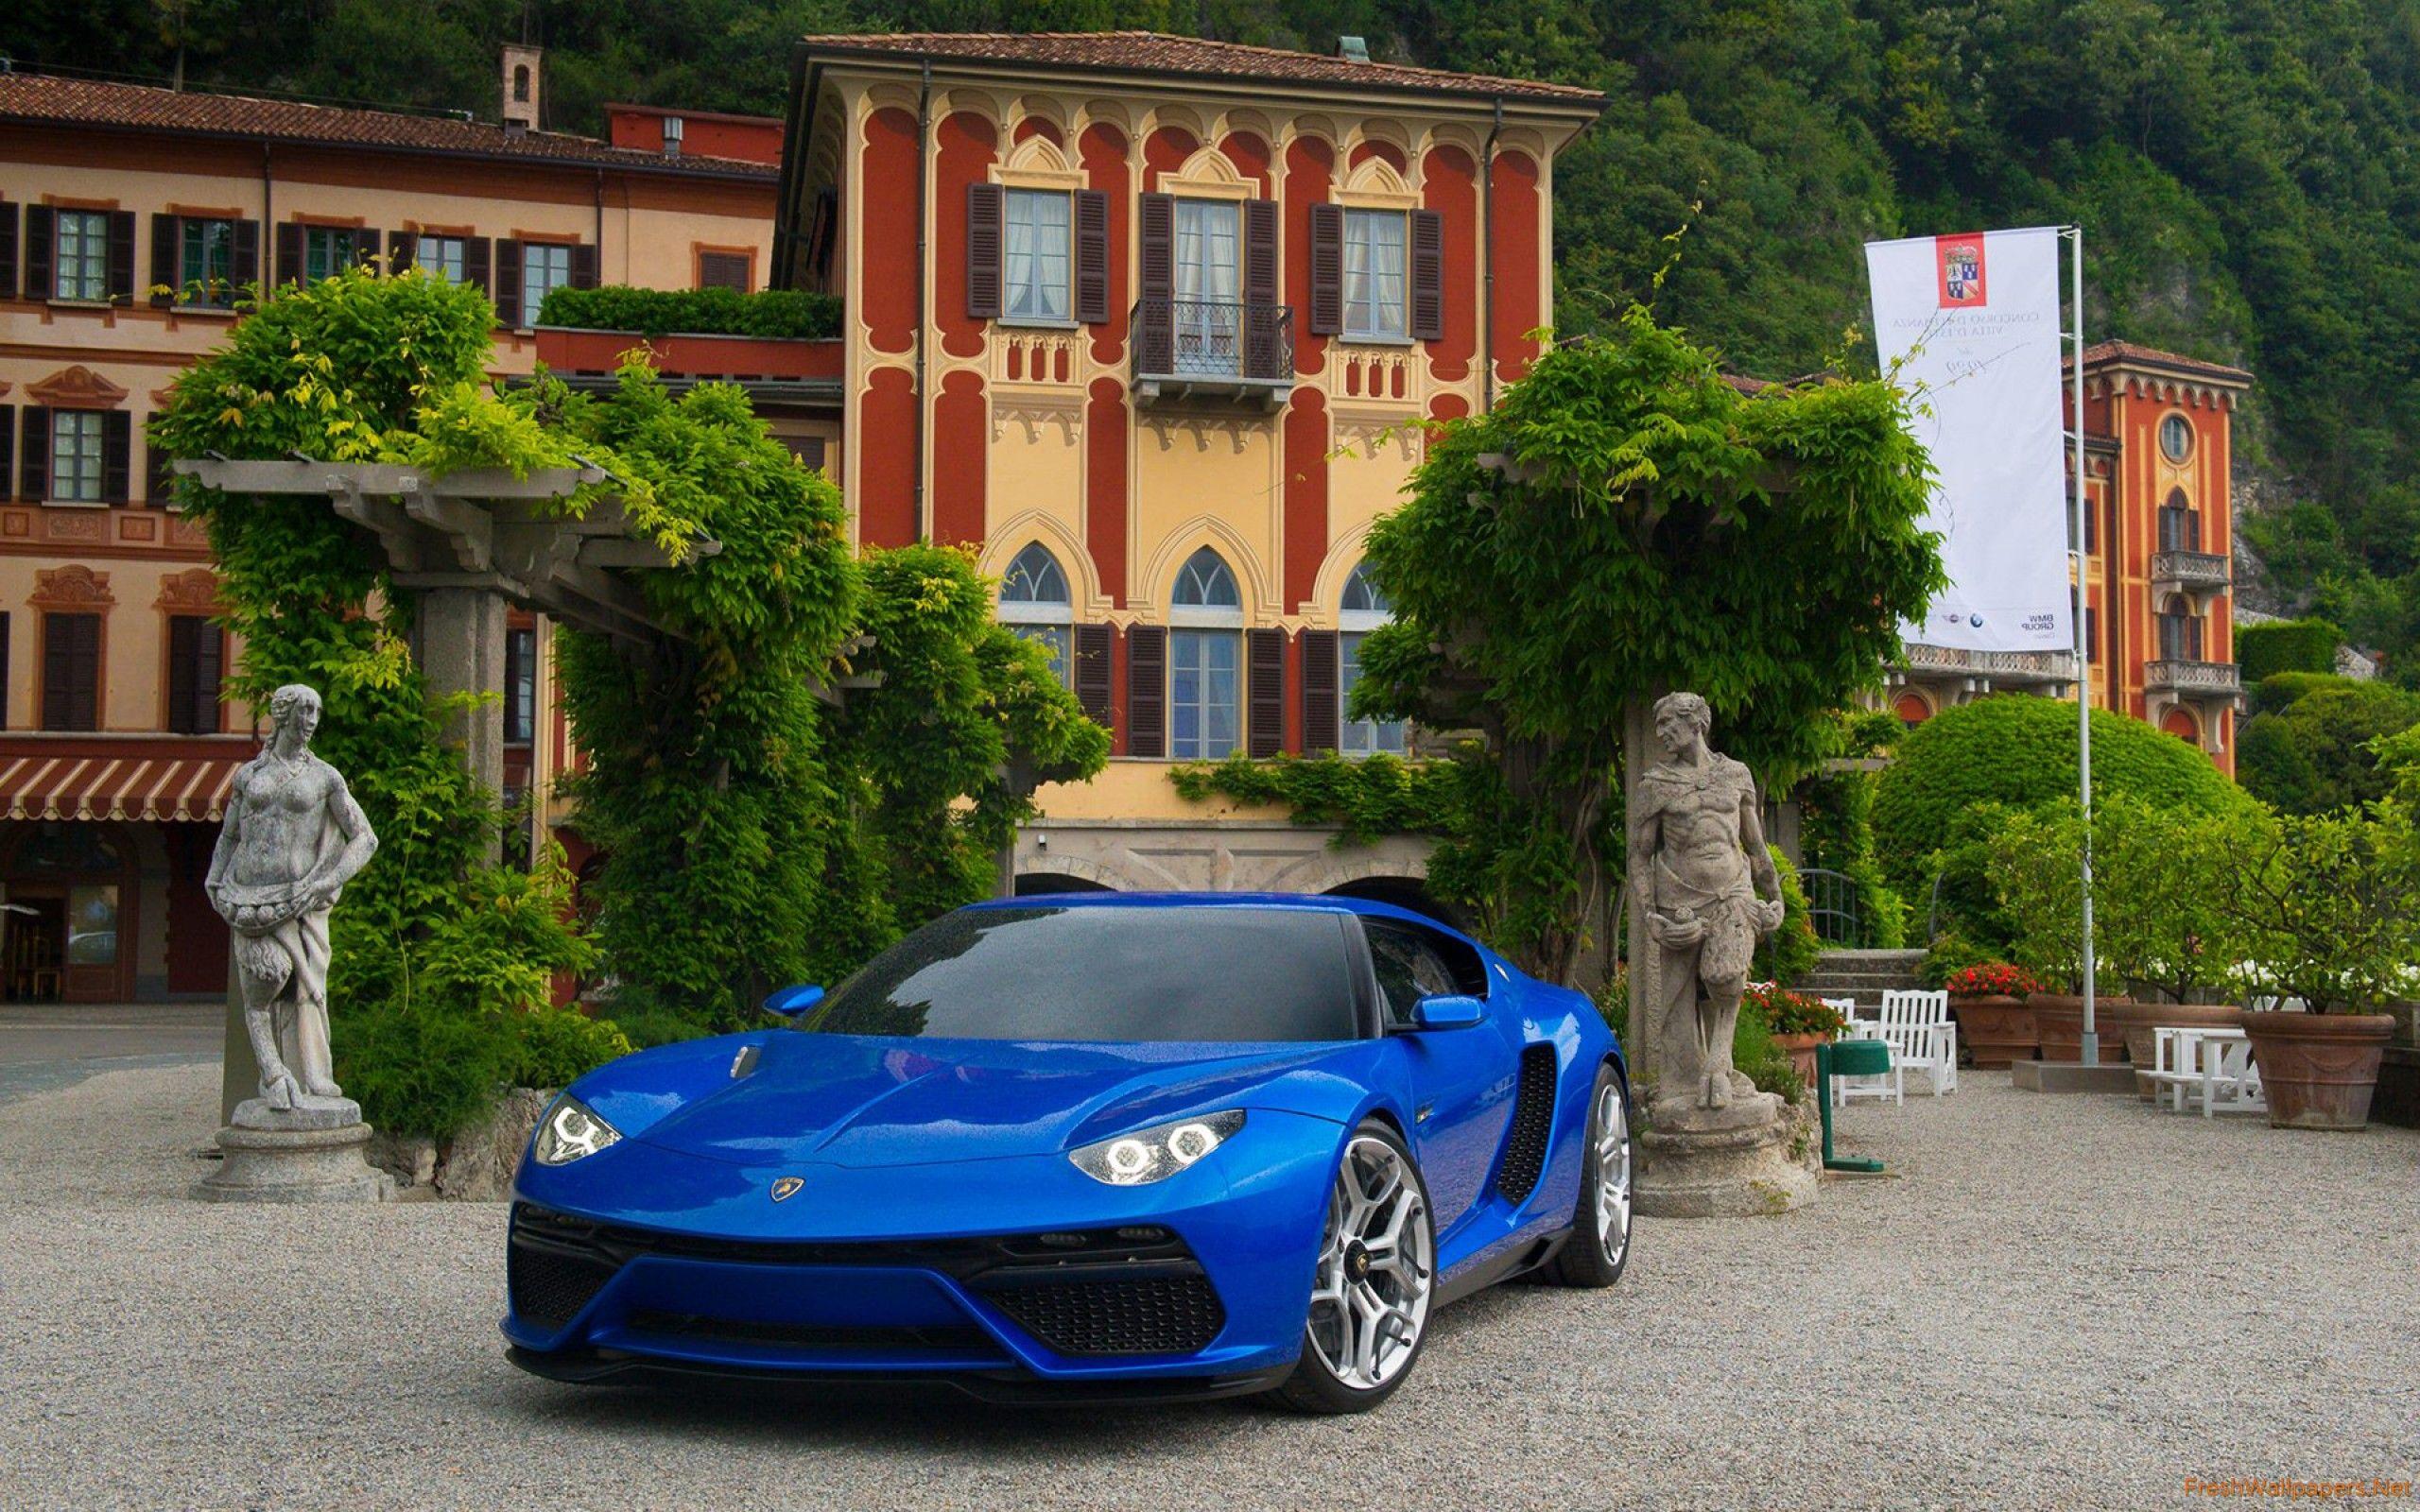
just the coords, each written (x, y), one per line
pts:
(1709, 892)
(293, 837)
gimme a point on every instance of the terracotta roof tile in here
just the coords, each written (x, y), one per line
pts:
(2101, 351)
(1151, 52)
(50, 100)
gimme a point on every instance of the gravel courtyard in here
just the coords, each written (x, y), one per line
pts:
(2057, 1302)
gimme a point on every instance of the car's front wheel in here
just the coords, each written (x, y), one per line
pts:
(1376, 1274)
(1600, 1243)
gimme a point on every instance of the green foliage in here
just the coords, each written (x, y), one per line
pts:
(1836, 828)
(1366, 798)
(2020, 751)
(1763, 1062)
(2286, 646)
(2036, 870)
(555, 1047)
(1787, 1012)
(2314, 754)
(419, 1066)
(2278, 689)
(778, 313)
(2330, 906)
(1790, 951)
(2157, 876)
(1950, 953)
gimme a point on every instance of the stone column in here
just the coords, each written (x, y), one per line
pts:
(461, 650)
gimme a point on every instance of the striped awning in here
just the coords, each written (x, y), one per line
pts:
(118, 787)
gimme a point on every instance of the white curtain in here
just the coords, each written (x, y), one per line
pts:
(1374, 273)
(1035, 271)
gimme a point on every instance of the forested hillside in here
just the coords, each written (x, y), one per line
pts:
(2248, 172)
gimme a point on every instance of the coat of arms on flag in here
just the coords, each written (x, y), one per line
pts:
(1961, 269)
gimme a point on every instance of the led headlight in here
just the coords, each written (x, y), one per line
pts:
(571, 1130)
(1156, 1153)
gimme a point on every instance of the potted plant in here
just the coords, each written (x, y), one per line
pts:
(2158, 875)
(1994, 1022)
(1798, 1022)
(2035, 869)
(2330, 906)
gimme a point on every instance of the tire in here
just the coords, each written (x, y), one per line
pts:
(1353, 1360)
(1600, 1226)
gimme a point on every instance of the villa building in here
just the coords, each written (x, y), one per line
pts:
(131, 218)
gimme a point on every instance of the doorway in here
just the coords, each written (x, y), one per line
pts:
(70, 925)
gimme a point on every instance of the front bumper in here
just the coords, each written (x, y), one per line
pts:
(1196, 1286)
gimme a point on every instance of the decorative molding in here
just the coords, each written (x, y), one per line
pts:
(75, 387)
(185, 532)
(194, 590)
(76, 524)
(1238, 429)
(72, 587)
(134, 526)
(1034, 411)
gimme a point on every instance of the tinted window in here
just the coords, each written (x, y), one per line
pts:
(1107, 973)
(1408, 968)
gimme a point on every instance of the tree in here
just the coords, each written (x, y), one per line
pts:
(2315, 754)
(1627, 521)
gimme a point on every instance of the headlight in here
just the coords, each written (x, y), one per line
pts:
(570, 1131)
(1157, 1153)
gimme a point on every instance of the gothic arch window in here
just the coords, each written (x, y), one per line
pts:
(1206, 582)
(1205, 660)
(1362, 608)
(1035, 603)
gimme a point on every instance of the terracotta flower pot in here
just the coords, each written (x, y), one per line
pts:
(2317, 1070)
(1996, 1030)
(2143, 1022)
(1802, 1052)
(2058, 1019)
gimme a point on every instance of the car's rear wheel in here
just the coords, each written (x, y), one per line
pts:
(1600, 1243)
(1375, 1277)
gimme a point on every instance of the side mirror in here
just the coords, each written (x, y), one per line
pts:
(1448, 1010)
(789, 1002)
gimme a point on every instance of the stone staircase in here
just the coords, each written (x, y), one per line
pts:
(1864, 975)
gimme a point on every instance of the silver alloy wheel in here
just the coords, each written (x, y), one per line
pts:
(1370, 1299)
(1613, 1173)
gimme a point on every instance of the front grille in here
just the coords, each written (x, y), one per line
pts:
(615, 1244)
(904, 1340)
(1140, 1315)
(1525, 1147)
(549, 1288)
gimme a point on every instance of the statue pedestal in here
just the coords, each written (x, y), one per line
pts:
(307, 1153)
(1721, 1162)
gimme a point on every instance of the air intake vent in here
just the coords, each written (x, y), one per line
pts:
(1154, 1314)
(1525, 1147)
(548, 1288)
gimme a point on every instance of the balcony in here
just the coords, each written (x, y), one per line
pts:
(1213, 348)
(1984, 670)
(2191, 572)
(2193, 679)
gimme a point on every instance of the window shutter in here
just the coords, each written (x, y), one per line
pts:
(7, 451)
(1092, 256)
(7, 250)
(4, 670)
(583, 266)
(289, 254)
(121, 254)
(71, 671)
(1147, 691)
(33, 476)
(1321, 718)
(1427, 276)
(158, 483)
(985, 206)
(164, 260)
(1155, 325)
(207, 671)
(1092, 671)
(474, 262)
(41, 250)
(1327, 270)
(183, 652)
(401, 246)
(365, 246)
(117, 455)
(1264, 691)
(1260, 290)
(506, 290)
(243, 261)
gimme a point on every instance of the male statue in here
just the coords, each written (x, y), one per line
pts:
(1699, 864)
(293, 837)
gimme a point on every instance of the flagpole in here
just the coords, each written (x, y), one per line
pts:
(2091, 1042)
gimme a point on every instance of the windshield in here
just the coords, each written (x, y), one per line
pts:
(1107, 973)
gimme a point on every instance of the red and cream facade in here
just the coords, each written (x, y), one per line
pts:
(1182, 308)
(117, 750)
(2158, 560)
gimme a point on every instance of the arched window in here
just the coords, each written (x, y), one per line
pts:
(1035, 603)
(521, 84)
(1363, 609)
(1205, 660)
(2180, 630)
(2180, 524)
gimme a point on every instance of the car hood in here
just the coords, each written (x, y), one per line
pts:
(847, 1100)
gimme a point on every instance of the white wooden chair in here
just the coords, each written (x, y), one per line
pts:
(1922, 1035)
(1891, 1084)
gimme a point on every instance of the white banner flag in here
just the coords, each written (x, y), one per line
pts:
(1974, 319)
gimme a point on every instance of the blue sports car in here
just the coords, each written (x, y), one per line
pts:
(1105, 1144)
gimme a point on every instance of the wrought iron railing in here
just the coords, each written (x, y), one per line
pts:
(1832, 906)
(1212, 340)
(2190, 569)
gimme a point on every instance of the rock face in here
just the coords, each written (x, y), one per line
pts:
(478, 1162)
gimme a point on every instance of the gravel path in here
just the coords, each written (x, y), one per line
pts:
(2056, 1303)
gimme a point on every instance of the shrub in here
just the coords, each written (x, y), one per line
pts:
(2314, 754)
(2329, 905)
(1950, 953)
(419, 1067)
(1787, 1012)
(2278, 689)
(555, 1047)
(1763, 1062)
(1790, 951)
(793, 313)
(1990, 979)
(2286, 646)
(2034, 868)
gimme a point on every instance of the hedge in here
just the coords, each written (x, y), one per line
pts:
(2286, 646)
(773, 313)
(2020, 751)
(2312, 755)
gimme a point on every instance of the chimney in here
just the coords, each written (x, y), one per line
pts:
(672, 136)
(523, 88)
(1353, 50)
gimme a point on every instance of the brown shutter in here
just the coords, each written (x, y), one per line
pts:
(1092, 256)
(1327, 270)
(506, 290)
(1092, 671)
(33, 477)
(117, 455)
(8, 452)
(583, 266)
(210, 666)
(243, 261)
(1264, 691)
(289, 254)
(1427, 276)
(71, 671)
(1321, 724)
(4, 668)
(41, 251)
(158, 483)
(164, 290)
(985, 206)
(8, 251)
(401, 246)
(1155, 319)
(365, 246)
(1260, 290)
(1147, 691)
(121, 254)
(474, 262)
(183, 652)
